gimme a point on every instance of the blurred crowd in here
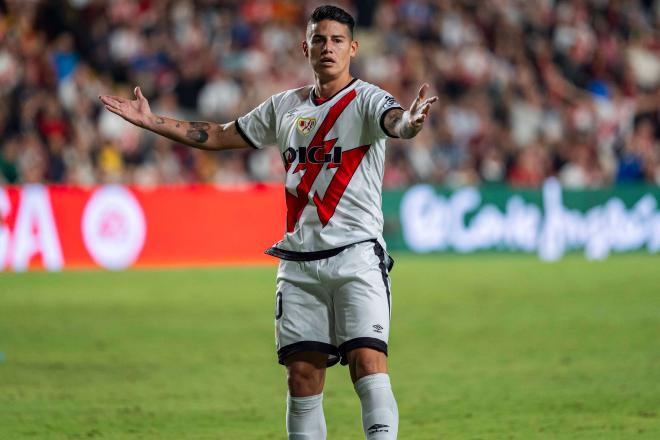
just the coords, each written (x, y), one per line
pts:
(528, 88)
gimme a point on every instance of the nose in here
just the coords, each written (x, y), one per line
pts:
(326, 48)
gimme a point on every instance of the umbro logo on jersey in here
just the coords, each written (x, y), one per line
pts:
(377, 328)
(377, 428)
(305, 125)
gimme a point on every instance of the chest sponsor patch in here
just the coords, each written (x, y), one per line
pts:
(305, 125)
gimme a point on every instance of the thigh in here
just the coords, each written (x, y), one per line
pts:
(304, 316)
(362, 300)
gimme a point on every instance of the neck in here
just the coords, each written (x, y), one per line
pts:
(328, 88)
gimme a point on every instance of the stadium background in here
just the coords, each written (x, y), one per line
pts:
(528, 89)
(533, 93)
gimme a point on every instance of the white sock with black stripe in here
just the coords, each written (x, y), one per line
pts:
(304, 418)
(380, 415)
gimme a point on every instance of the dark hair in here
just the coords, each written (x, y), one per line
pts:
(334, 13)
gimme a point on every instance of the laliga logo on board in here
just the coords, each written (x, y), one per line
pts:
(34, 232)
(305, 125)
(114, 228)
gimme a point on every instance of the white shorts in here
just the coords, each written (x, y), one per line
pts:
(334, 305)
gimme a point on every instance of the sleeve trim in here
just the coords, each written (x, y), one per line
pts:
(382, 121)
(244, 136)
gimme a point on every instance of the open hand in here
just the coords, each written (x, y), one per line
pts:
(136, 111)
(420, 107)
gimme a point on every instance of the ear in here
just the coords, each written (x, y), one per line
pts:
(305, 49)
(354, 48)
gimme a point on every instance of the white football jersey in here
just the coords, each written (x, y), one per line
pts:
(334, 156)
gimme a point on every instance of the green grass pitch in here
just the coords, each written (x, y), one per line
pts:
(485, 347)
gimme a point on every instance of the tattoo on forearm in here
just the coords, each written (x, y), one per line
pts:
(178, 124)
(396, 126)
(392, 120)
(199, 124)
(395, 118)
(199, 132)
(160, 121)
(199, 136)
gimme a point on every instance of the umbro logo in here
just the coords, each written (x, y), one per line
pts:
(377, 428)
(377, 328)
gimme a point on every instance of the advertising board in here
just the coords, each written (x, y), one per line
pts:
(116, 227)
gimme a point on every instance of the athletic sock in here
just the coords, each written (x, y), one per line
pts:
(304, 418)
(380, 415)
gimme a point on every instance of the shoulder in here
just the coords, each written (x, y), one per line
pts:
(367, 89)
(374, 98)
(292, 96)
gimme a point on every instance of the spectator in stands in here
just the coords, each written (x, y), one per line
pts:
(529, 89)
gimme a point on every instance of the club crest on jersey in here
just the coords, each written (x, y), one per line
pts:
(305, 125)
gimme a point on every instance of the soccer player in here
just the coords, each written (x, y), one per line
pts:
(333, 289)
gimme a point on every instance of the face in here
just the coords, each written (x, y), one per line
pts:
(329, 48)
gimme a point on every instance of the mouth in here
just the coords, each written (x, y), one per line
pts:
(325, 61)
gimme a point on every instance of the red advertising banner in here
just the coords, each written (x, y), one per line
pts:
(115, 227)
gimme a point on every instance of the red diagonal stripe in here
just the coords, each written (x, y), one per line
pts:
(296, 204)
(350, 160)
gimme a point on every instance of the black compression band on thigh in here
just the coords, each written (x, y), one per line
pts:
(302, 346)
(374, 343)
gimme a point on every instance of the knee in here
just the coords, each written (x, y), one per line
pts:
(305, 380)
(366, 366)
(306, 376)
(365, 361)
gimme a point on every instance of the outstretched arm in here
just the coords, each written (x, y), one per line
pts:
(198, 134)
(407, 124)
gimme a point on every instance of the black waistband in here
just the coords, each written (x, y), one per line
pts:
(310, 256)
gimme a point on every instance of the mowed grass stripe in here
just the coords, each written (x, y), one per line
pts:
(488, 346)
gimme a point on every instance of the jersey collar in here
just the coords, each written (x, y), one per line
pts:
(312, 95)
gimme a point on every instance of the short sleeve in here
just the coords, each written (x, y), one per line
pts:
(379, 103)
(257, 127)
